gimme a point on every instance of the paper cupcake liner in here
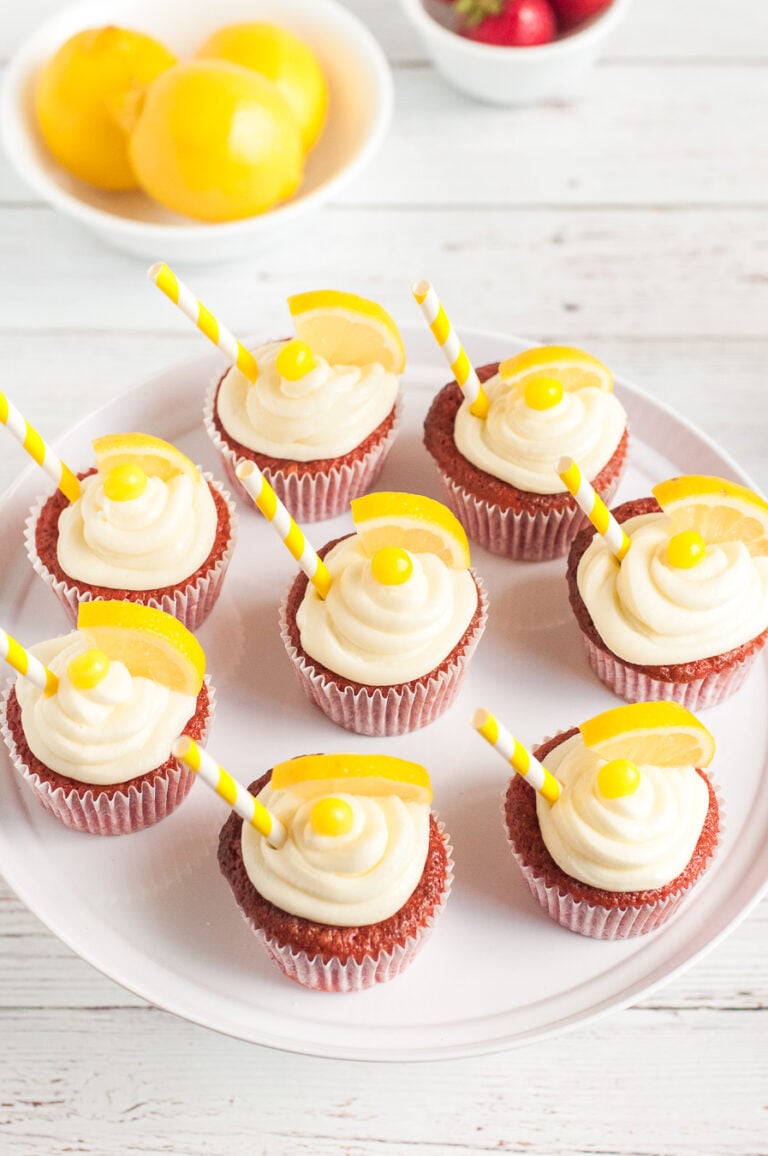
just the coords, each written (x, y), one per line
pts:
(635, 686)
(131, 809)
(191, 604)
(385, 710)
(593, 919)
(519, 534)
(310, 497)
(354, 975)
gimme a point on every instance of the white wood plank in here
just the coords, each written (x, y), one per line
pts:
(643, 134)
(611, 1088)
(648, 273)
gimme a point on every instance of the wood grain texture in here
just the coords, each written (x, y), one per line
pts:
(634, 223)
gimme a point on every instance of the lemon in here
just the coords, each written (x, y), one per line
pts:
(411, 522)
(355, 774)
(151, 643)
(284, 59)
(155, 457)
(83, 96)
(216, 142)
(716, 509)
(346, 329)
(572, 368)
(660, 734)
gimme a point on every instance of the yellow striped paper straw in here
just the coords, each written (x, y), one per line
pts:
(289, 533)
(520, 759)
(242, 802)
(167, 281)
(453, 351)
(38, 449)
(32, 668)
(594, 507)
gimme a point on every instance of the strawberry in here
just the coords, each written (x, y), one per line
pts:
(506, 22)
(571, 13)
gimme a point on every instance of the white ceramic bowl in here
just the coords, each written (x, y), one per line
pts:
(360, 109)
(512, 76)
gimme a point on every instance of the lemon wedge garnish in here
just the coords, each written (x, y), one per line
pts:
(355, 775)
(659, 734)
(719, 510)
(151, 643)
(156, 458)
(347, 330)
(573, 368)
(411, 522)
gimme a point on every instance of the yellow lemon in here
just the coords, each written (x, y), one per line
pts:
(410, 522)
(284, 59)
(153, 456)
(84, 96)
(716, 509)
(663, 734)
(216, 142)
(572, 368)
(347, 329)
(355, 775)
(151, 643)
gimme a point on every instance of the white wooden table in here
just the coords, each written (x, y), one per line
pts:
(634, 223)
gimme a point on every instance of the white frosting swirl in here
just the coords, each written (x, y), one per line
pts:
(349, 880)
(652, 613)
(522, 446)
(324, 414)
(155, 540)
(636, 842)
(117, 730)
(383, 635)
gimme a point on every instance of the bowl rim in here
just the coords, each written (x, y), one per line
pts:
(12, 127)
(598, 27)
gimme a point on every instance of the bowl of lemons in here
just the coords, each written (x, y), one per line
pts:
(194, 131)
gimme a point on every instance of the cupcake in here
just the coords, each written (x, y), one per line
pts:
(634, 825)
(353, 892)
(321, 414)
(685, 612)
(97, 751)
(498, 472)
(147, 527)
(385, 650)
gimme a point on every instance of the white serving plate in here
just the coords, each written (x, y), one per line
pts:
(359, 112)
(152, 912)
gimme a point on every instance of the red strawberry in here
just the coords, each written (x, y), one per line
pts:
(506, 22)
(571, 13)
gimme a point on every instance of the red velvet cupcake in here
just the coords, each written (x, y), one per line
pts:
(333, 805)
(318, 414)
(618, 885)
(96, 753)
(148, 527)
(498, 474)
(677, 609)
(387, 650)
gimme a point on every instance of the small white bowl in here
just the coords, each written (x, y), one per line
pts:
(514, 76)
(360, 110)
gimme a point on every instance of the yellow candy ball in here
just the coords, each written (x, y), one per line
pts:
(294, 360)
(88, 669)
(331, 816)
(617, 778)
(543, 393)
(391, 566)
(686, 549)
(124, 483)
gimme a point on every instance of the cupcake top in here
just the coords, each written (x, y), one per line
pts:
(127, 686)
(694, 582)
(321, 394)
(401, 594)
(632, 804)
(357, 837)
(145, 520)
(544, 403)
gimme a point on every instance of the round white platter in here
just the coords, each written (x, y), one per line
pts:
(152, 912)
